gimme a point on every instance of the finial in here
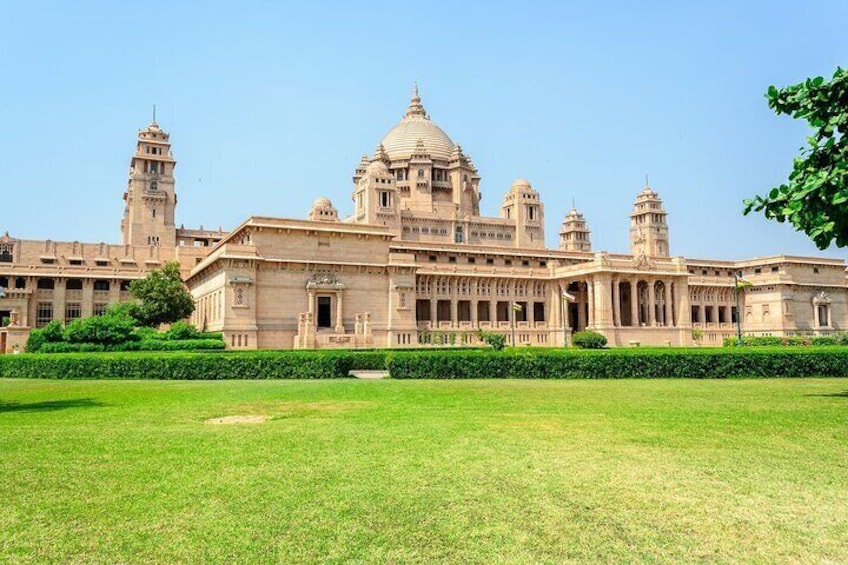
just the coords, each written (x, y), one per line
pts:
(154, 113)
(573, 203)
(415, 106)
(647, 184)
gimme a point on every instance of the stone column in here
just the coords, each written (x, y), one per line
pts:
(652, 304)
(616, 303)
(339, 324)
(454, 312)
(87, 301)
(434, 318)
(493, 313)
(475, 321)
(59, 300)
(634, 303)
(702, 313)
(728, 314)
(590, 300)
(581, 310)
(310, 304)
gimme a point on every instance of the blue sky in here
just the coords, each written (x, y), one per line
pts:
(271, 105)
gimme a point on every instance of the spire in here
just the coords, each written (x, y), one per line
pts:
(416, 109)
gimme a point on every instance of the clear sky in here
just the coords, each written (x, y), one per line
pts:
(271, 105)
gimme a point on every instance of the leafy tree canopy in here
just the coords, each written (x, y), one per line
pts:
(163, 297)
(815, 200)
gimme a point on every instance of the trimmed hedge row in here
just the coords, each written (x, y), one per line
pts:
(144, 345)
(453, 364)
(839, 338)
(621, 364)
(187, 365)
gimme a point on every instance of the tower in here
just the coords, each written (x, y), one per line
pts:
(375, 196)
(648, 227)
(523, 206)
(574, 234)
(150, 197)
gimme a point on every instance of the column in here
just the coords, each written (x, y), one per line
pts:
(581, 310)
(702, 313)
(590, 300)
(652, 303)
(531, 312)
(728, 314)
(474, 318)
(634, 303)
(310, 307)
(339, 325)
(493, 313)
(87, 301)
(59, 300)
(671, 319)
(616, 303)
(454, 312)
(114, 291)
(433, 310)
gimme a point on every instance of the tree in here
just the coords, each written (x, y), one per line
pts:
(163, 297)
(815, 200)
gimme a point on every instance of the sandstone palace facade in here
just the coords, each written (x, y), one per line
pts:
(415, 264)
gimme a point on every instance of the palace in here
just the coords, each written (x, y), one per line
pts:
(415, 264)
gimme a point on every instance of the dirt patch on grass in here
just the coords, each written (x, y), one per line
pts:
(238, 420)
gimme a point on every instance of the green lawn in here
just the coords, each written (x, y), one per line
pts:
(423, 471)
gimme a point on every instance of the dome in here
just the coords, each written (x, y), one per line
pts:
(401, 141)
(377, 168)
(520, 185)
(322, 202)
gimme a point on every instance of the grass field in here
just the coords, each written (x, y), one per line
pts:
(423, 471)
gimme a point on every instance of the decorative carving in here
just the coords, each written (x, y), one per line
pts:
(821, 298)
(324, 280)
(642, 262)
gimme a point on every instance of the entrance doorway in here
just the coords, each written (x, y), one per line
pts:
(324, 312)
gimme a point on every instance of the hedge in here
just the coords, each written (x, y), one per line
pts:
(621, 364)
(144, 345)
(838, 338)
(453, 364)
(189, 365)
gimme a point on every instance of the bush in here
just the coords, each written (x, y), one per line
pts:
(495, 340)
(143, 345)
(106, 329)
(182, 330)
(589, 340)
(51, 333)
(838, 338)
(620, 363)
(187, 365)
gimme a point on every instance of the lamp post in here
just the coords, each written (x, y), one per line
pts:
(514, 307)
(739, 283)
(565, 299)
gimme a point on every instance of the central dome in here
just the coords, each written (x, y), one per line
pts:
(401, 141)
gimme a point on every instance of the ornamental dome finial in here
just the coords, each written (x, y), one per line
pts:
(416, 109)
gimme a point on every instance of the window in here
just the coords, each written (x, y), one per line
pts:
(824, 310)
(102, 263)
(20, 282)
(543, 263)
(125, 286)
(385, 199)
(47, 260)
(73, 311)
(458, 238)
(490, 261)
(420, 173)
(154, 167)
(508, 262)
(154, 212)
(6, 253)
(775, 269)
(816, 270)
(75, 262)
(73, 284)
(99, 308)
(525, 263)
(451, 259)
(472, 260)
(757, 271)
(4, 282)
(46, 284)
(432, 258)
(101, 285)
(43, 314)
(153, 187)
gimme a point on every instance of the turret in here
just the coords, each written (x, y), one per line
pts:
(574, 234)
(648, 227)
(523, 206)
(375, 197)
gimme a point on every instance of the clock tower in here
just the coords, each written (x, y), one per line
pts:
(150, 197)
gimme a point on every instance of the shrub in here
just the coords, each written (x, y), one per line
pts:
(494, 340)
(838, 338)
(188, 365)
(619, 363)
(182, 330)
(589, 340)
(106, 329)
(51, 333)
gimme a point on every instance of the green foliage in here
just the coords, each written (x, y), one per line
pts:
(163, 297)
(189, 365)
(142, 345)
(51, 333)
(589, 340)
(839, 338)
(697, 334)
(815, 200)
(182, 330)
(620, 363)
(4, 321)
(107, 329)
(494, 340)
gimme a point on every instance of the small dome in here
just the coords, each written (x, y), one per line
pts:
(520, 185)
(377, 168)
(322, 202)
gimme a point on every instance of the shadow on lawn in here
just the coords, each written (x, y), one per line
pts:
(843, 394)
(48, 405)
